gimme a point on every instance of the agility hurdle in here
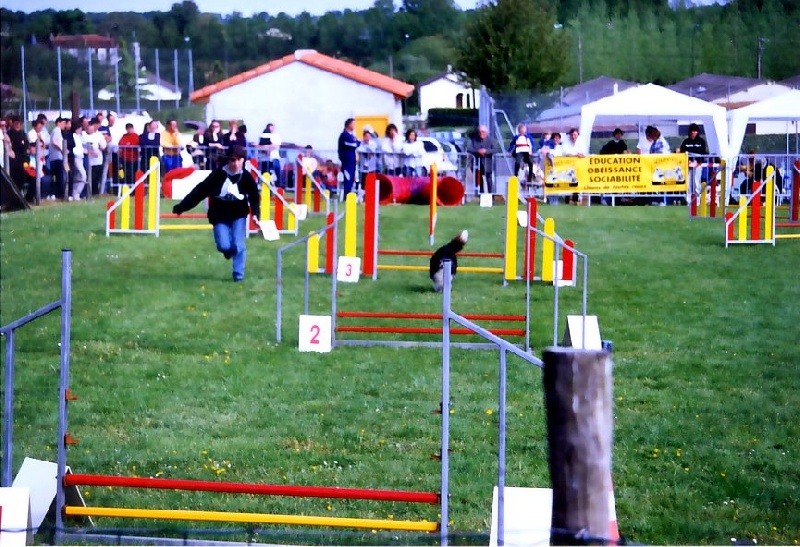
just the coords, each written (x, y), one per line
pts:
(793, 219)
(152, 177)
(751, 213)
(509, 266)
(313, 193)
(709, 198)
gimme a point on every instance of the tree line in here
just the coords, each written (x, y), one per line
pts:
(507, 45)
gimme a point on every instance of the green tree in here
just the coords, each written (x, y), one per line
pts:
(512, 45)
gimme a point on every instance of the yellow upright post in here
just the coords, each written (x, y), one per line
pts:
(742, 232)
(512, 204)
(125, 209)
(703, 198)
(154, 194)
(292, 214)
(307, 200)
(312, 264)
(266, 214)
(769, 206)
(350, 220)
(548, 250)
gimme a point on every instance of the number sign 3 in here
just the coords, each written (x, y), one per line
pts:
(348, 269)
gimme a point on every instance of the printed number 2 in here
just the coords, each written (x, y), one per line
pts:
(314, 334)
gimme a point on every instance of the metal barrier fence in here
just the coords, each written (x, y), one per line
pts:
(8, 331)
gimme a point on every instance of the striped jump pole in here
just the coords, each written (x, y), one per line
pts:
(750, 213)
(132, 201)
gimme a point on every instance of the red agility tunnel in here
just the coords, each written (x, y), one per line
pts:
(394, 189)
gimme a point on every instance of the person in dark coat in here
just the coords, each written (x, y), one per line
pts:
(615, 145)
(233, 196)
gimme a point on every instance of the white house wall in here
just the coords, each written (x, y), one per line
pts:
(442, 93)
(754, 94)
(306, 104)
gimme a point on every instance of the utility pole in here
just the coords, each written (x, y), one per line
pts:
(761, 41)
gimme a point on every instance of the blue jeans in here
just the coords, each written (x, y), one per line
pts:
(229, 237)
(171, 162)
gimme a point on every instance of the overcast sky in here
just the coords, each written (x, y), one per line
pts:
(273, 7)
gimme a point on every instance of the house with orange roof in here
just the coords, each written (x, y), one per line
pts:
(308, 96)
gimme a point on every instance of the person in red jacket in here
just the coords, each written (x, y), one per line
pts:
(129, 154)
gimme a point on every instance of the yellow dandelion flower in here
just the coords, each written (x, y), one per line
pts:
(686, 469)
(722, 474)
(204, 314)
(452, 411)
(329, 507)
(85, 493)
(678, 453)
(390, 516)
(204, 452)
(489, 412)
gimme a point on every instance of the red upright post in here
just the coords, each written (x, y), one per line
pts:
(530, 246)
(317, 199)
(112, 218)
(138, 207)
(713, 184)
(729, 224)
(370, 219)
(794, 205)
(568, 261)
(329, 246)
(755, 218)
(279, 210)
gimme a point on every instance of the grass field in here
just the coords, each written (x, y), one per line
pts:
(179, 375)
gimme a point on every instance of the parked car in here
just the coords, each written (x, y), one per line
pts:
(436, 154)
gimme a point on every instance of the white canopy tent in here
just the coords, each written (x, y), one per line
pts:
(784, 107)
(653, 103)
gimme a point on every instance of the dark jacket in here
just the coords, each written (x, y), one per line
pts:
(224, 210)
(694, 147)
(347, 148)
(614, 147)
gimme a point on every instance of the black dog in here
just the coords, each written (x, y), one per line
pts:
(447, 251)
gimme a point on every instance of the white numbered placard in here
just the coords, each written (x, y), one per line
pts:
(486, 200)
(522, 218)
(315, 333)
(348, 269)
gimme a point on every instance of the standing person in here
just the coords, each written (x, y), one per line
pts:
(129, 154)
(270, 142)
(615, 145)
(392, 148)
(521, 147)
(18, 152)
(5, 144)
(482, 146)
(347, 153)
(413, 152)
(57, 159)
(216, 145)
(69, 144)
(233, 195)
(696, 148)
(572, 147)
(95, 143)
(149, 143)
(367, 153)
(658, 145)
(199, 147)
(171, 144)
(234, 137)
(78, 168)
(113, 133)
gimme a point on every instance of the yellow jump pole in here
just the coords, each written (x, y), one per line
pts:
(125, 209)
(703, 198)
(265, 197)
(252, 518)
(510, 262)
(742, 231)
(291, 213)
(308, 186)
(769, 206)
(350, 220)
(312, 264)
(154, 194)
(548, 250)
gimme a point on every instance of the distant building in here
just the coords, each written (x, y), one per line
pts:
(729, 91)
(103, 49)
(308, 96)
(151, 88)
(447, 89)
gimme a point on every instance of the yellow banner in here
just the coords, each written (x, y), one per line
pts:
(617, 174)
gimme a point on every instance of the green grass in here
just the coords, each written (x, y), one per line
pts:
(179, 375)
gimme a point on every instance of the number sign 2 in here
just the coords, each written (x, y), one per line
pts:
(348, 269)
(315, 333)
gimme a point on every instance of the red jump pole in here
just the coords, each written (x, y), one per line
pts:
(75, 479)
(794, 207)
(427, 330)
(729, 224)
(138, 207)
(112, 218)
(530, 245)
(317, 199)
(568, 261)
(279, 210)
(713, 183)
(389, 315)
(755, 218)
(329, 246)
(370, 225)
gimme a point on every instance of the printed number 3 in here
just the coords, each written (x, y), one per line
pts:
(348, 271)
